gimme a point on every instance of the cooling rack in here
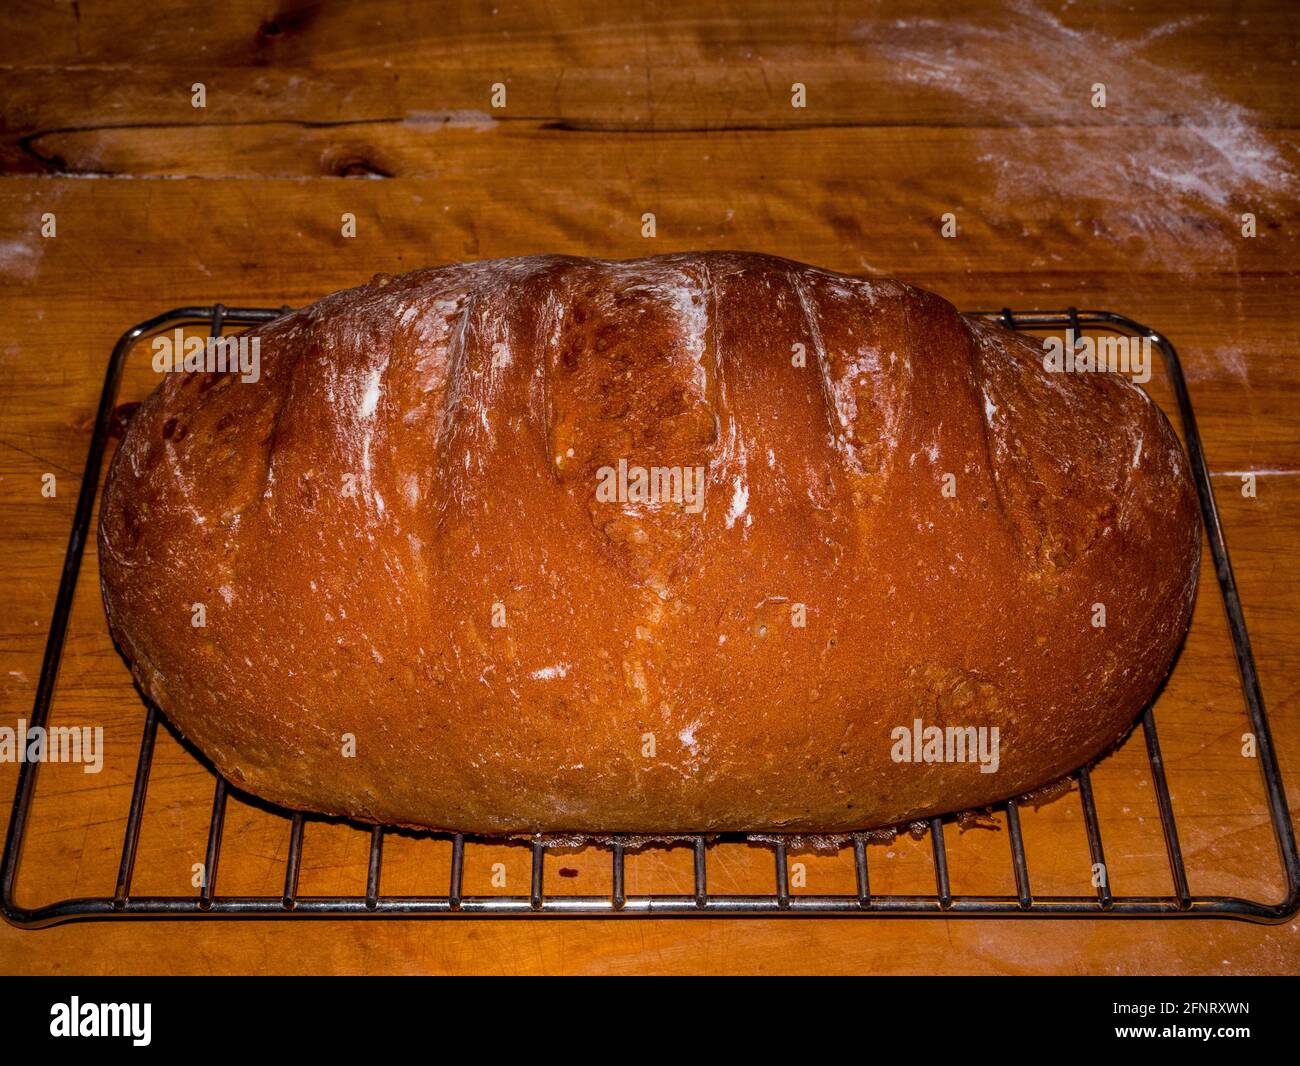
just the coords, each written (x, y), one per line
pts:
(208, 902)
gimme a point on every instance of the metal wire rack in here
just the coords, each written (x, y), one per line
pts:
(942, 903)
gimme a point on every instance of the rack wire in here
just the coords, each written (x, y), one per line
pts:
(780, 901)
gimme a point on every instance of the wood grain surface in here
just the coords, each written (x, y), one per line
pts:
(613, 110)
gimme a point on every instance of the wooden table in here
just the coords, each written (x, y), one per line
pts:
(385, 110)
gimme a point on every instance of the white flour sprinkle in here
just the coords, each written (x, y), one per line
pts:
(549, 673)
(18, 259)
(370, 398)
(739, 502)
(1192, 151)
(462, 119)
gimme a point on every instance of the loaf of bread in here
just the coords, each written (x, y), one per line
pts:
(700, 542)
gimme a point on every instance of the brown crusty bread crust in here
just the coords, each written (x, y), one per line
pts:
(425, 447)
